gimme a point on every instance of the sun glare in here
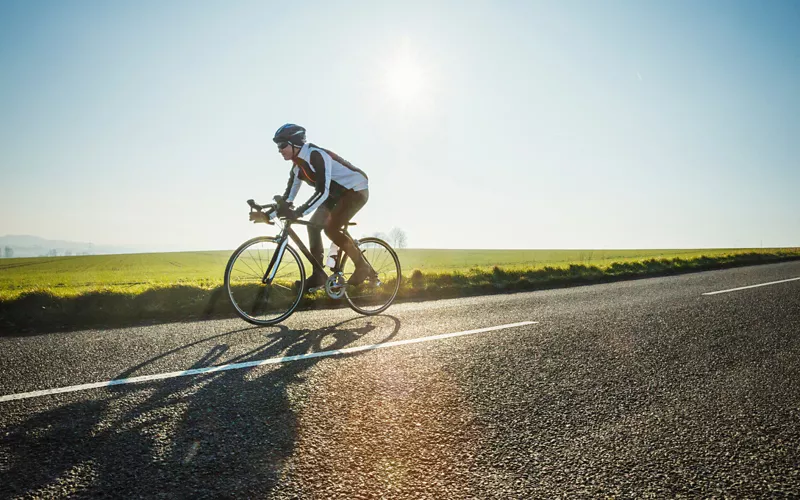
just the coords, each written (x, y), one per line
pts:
(404, 79)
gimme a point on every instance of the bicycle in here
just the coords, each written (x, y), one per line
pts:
(265, 276)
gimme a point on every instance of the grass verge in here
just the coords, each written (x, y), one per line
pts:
(42, 311)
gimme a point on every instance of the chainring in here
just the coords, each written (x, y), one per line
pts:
(335, 286)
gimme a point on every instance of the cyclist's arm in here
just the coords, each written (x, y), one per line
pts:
(322, 169)
(293, 186)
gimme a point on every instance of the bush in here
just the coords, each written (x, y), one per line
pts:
(417, 279)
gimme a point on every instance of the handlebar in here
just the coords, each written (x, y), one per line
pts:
(266, 209)
(278, 208)
(260, 208)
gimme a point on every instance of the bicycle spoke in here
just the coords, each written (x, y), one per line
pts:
(260, 261)
(383, 261)
(259, 297)
(253, 260)
(255, 273)
(240, 277)
(385, 256)
(289, 271)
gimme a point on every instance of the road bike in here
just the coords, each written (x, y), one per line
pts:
(265, 277)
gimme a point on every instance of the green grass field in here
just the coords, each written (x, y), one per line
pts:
(136, 273)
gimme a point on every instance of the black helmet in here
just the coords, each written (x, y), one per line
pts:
(291, 133)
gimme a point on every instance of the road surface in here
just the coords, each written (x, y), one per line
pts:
(650, 387)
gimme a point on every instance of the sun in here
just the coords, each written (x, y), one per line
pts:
(404, 79)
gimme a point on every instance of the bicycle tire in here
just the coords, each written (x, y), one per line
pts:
(390, 276)
(244, 284)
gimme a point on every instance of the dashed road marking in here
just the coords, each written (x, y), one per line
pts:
(751, 286)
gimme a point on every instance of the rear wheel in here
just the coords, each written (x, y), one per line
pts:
(255, 301)
(376, 294)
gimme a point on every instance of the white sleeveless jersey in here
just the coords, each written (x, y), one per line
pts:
(337, 176)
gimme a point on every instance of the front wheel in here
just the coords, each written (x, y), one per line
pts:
(258, 302)
(377, 293)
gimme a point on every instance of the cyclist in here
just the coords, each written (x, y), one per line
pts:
(340, 190)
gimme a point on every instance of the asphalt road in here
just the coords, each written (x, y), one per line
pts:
(644, 388)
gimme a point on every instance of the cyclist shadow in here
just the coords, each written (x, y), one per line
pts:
(220, 433)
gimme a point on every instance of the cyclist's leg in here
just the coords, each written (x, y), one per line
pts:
(348, 205)
(320, 218)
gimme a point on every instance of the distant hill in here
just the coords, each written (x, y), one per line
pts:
(34, 246)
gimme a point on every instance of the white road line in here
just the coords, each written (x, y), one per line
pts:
(751, 286)
(250, 364)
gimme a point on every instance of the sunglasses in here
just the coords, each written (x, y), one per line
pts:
(282, 144)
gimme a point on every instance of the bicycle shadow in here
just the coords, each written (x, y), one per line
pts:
(216, 434)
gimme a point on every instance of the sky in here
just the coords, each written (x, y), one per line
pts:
(561, 124)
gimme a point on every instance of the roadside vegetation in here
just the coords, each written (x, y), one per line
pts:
(63, 293)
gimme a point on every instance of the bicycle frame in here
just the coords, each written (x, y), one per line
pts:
(283, 240)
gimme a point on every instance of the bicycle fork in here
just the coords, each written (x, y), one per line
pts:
(273, 265)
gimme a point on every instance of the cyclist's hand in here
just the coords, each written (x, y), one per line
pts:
(297, 214)
(258, 217)
(286, 210)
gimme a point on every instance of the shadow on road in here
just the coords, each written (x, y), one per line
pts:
(216, 434)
